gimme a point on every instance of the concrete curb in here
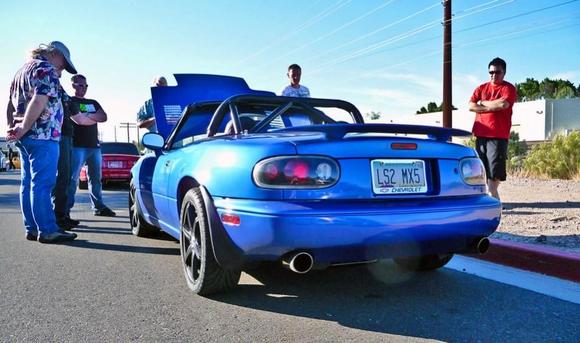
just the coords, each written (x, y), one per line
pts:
(560, 264)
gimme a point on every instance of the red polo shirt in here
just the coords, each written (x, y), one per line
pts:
(495, 124)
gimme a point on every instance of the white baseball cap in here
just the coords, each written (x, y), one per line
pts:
(64, 51)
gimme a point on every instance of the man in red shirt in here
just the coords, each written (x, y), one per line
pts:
(492, 102)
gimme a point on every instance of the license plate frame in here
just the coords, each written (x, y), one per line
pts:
(398, 176)
(115, 165)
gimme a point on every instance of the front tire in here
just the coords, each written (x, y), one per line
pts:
(423, 263)
(203, 274)
(139, 226)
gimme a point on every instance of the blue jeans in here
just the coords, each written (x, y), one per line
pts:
(63, 176)
(92, 157)
(38, 160)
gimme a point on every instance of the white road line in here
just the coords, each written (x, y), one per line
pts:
(539, 283)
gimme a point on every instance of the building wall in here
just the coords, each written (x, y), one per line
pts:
(532, 120)
(563, 116)
(528, 120)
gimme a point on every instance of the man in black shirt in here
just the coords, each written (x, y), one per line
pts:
(86, 149)
(72, 116)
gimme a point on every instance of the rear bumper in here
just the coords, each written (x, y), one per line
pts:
(348, 231)
(116, 174)
(109, 175)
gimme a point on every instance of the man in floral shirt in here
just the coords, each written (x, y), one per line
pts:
(35, 95)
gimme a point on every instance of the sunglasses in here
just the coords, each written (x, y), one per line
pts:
(80, 85)
(492, 72)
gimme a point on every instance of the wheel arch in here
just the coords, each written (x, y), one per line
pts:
(225, 251)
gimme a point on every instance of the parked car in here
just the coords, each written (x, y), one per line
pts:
(306, 182)
(4, 164)
(16, 162)
(118, 159)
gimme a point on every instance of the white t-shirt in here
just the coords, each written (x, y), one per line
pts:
(300, 92)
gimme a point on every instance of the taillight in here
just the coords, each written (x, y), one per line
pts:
(296, 172)
(472, 171)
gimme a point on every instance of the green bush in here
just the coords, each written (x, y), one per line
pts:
(516, 153)
(558, 159)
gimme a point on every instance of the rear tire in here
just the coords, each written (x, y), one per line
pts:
(83, 184)
(203, 274)
(139, 226)
(422, 263)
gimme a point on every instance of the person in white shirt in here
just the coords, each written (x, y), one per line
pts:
(295, 89)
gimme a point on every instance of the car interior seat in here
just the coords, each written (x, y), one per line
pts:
(246, 123)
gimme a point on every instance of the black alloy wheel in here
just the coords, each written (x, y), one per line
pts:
(138, 225)
(203, 274)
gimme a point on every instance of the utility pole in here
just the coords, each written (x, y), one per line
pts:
(128, 126)
(447, 99)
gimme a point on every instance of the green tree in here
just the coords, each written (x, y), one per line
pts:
(372, 115)
(528, 90)
(548, 88)
(432, 107)
(565, 92)
(422, 110)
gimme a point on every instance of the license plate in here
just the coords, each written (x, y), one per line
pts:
(115, 164)
(398, 176)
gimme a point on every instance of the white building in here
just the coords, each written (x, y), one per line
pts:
(533, 120)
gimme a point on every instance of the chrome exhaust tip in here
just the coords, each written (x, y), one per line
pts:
(301, 262)
(482, 245)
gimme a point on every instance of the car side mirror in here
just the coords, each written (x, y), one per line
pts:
(153, 141)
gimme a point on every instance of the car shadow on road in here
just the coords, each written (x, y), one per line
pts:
(10, 201)
(126, 220)
(545, 204)
(443, 305)
(5, 181)
(105, 230)
(85, 244)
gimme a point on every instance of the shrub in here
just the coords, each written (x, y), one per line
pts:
(558, 159)
(516, 153)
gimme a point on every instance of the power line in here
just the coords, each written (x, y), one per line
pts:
(376, 31)
(518, 15)
(340, 28)
(480, 25)
(438, 51)
(365, 51)
(335, 7)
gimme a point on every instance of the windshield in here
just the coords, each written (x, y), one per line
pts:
(119, 148)
(259, 115)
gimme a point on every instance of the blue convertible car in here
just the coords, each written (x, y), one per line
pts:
(241, 176)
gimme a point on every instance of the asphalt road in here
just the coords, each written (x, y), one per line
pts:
(111, 286)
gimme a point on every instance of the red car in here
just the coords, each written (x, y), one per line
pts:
(118, 159)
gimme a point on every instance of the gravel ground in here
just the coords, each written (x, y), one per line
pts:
(543, 212)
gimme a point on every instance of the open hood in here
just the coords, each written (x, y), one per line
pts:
(169, 102)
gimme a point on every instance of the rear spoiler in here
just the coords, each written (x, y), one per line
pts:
(338, 131)
(170, 102)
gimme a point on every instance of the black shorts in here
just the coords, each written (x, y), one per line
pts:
(493, 153)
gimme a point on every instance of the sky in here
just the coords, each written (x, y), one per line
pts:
(381, 55)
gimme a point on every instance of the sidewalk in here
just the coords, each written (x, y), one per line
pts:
(563, 265)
